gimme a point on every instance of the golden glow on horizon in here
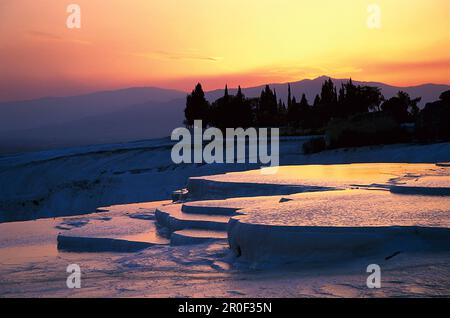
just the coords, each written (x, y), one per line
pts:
(175, 43)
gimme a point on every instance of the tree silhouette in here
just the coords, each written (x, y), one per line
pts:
(433, 120)
(289, 101)
(304, 103)
(243, 110)
(316, 101)
(268, 108)
(358, 99)
(282, 112)
(293, 111)
(304, 111)
(232, 111)
(197, 107)
(325, 106)
(372, 98)
(226, 95)
(328, 94)
(402, 107)
(222, 112)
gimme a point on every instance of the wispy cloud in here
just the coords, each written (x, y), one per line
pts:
(177, 56)
(46, 36)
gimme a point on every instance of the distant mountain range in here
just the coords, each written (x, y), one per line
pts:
(102, 117)
(133, 113)
(428, 92)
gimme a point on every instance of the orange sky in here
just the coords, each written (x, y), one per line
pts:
(175, 43)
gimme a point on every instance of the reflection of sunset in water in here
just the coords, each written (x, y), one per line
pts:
(338, 175)
(354, 208)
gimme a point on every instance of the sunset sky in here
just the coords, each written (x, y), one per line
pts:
(176, 43)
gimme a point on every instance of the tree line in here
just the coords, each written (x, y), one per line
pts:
(267, 110)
